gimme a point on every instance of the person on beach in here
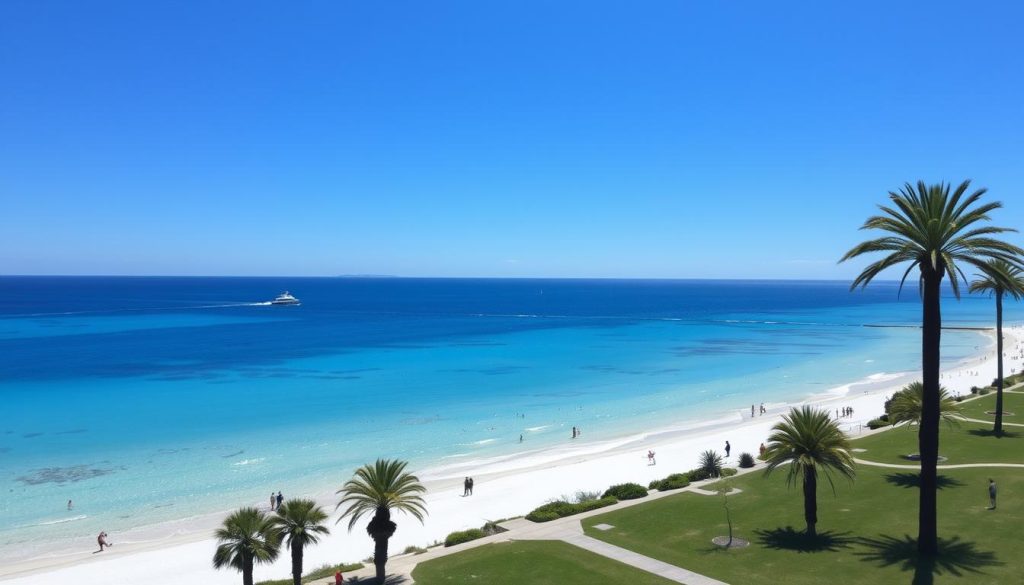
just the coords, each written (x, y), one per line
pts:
(70, 505)
(102, 541)
(280, 499)
(751, 411)
(520, 438)
(992, 493)
(763, 449)
(471, 486)
(728, 448)
(465, 487)
(574, 432)
(273, 500)
(650, 458)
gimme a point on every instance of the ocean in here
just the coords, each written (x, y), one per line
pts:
(156, 400)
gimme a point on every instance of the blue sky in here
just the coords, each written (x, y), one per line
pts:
(587, 139)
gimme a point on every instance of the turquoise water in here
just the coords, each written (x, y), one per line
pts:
(152, 400)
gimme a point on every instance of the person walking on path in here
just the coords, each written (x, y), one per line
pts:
(728, 448)
(992, 493)
(338, 578)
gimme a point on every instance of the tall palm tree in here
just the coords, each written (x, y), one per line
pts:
(300, 522)
(999, 277)
(934, 231)
(906, 405)
(380, 488)
(810, 442)
(248, 536)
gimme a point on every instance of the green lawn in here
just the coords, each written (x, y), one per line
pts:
(968, 442)
(533, 563)
(867, 527)
(1012, 402)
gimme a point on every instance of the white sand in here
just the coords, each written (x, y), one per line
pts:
(503, 489)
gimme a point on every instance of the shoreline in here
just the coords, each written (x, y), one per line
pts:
(507, 486)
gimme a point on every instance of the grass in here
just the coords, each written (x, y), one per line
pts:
(533, 562)
(867, 530)
(1012, 402)
(324, 572)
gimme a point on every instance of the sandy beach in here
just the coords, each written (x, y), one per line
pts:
(181, 553)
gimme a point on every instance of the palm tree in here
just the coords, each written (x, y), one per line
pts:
(999, 277)
(381, 488)
(247, 536)
(810, 442)
(300, 523)
(934, 231)
(906, 405)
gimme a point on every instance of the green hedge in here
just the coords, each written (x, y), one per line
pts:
(561, 509)
(729, 471)
(626, 491)
(461, 536)
(672, 482)
(877, 423)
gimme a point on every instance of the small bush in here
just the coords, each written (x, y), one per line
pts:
(672, 482)
(746, 460)
(729, 472)
(561, 509)
(582, 496)
(877, 423)
(710, 464)
(414, 550)
(626, 491)
(958, 398)
(461, 536)
(984, 391)
(974, 389)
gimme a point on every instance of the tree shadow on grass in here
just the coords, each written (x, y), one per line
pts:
(991, 433)
(913, 480)
(955, 557)
(789, 538)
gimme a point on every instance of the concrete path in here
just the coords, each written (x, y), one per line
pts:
(961, 466)
(990, 422)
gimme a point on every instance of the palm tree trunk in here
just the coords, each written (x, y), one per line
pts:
(296, 563)
(928, 432)
(811, 501)
(246, 570)
(999, 364)
(380, 558)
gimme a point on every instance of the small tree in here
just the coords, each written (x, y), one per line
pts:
(246, 537)
(710, 463)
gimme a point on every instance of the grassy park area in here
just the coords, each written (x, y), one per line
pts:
(867, 529)
(539, 561)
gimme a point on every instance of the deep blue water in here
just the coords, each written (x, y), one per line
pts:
(151, 399)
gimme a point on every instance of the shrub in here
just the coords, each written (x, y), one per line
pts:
(746, 460)
(958, 398)
(983, 391)
(412, 549)
(461, 536)
(710, 464)
(729, 472)
(974, 389)
(582, 496)
(877, 423)
(561, 509)
(672, 482)
(626, 491)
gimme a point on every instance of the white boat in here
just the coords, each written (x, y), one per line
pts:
(285, 298)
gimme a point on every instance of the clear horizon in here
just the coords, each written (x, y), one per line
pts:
(667, 141)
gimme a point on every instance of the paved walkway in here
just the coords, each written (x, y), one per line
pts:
(670, 572)
(961, 466)
(989, 422)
